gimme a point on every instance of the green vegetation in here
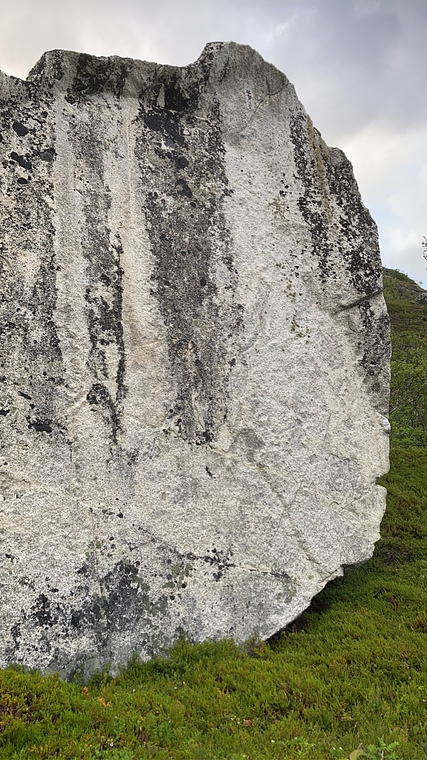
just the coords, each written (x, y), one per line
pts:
(347, 680)
(407, 305)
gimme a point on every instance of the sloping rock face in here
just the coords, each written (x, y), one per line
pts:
(194, 350)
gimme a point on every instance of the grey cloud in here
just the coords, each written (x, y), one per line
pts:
(370, 55)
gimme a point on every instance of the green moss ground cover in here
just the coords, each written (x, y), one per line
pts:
(407, 305)
(347, 680)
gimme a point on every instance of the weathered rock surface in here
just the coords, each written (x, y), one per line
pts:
(194, 350)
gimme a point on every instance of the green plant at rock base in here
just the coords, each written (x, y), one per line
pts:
(346, 681)
(383, 751)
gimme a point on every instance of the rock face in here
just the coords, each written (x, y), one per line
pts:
(194, 350)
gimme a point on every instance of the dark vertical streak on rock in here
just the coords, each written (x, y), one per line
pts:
(357, 226)
(31, 353)
(104, 290)
(181, 158)
(97, 75)
(328, 181)
(331, 197)
(311, 202)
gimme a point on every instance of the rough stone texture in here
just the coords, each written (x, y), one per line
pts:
(194, 350)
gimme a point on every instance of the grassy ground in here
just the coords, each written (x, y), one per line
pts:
(347, 680)
(407, 305)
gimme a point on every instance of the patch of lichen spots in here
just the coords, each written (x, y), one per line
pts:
(357, 226)
(377, 330)
(277, 208)
(95, 75)
(311, 202)
(123, 603)
(41, 612)
(104, 272)
(177, 575)
(31, 347)
(186, 185)
(125, 596)
(326, 175)
(99, 397)
(219, 560)
(289, 585)
(48, 69)
(320, 158)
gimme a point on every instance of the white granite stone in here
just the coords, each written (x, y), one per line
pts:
(195, 358)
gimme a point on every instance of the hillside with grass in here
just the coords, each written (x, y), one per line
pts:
(348, 679)
(407, 306)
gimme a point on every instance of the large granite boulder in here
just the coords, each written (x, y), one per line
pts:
(195, 358)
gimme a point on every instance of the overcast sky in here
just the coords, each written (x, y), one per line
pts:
(359, 68)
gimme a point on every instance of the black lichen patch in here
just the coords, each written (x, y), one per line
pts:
(22, 161)
(12, 649)
(48, 69)
(95, 75)
(376, 349)
(99, 396)
(341, 226)
(29, 341)
(122, 605)
(20, 129)
(41, 612)
(42, 426)
(48, 154)
(331, 198)
(357, 226)
(104, 291)
(220, 561)
(167, 124)
(311, 202)
(185, 188)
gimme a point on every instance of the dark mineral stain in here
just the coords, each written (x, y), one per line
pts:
(104, 291)
(48, 154)
(310, 203)
(20, 129)
(42, 426)
(185, 192)
(94, 75)
(27, 304)
(326, 173)
(22, 161)
(41, 612)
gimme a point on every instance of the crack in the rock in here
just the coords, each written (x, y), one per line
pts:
(259, 105)
(358, 301)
